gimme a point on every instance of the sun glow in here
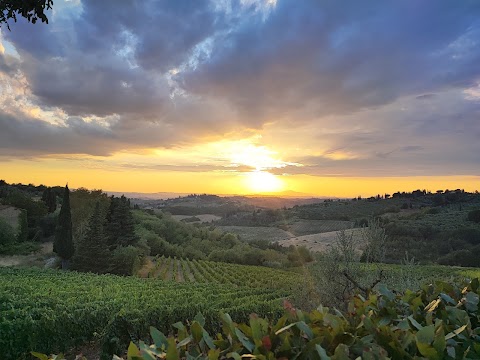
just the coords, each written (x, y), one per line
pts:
(263, 182)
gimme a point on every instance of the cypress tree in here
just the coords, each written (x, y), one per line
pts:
(92, 254)
(63, 243)
(121, 225)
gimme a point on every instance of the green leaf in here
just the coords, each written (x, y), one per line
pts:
(301, 325)
(213, 354)
(184, 342)
(244, 340)
(147, 353)
(259, 327)
(133, 351)
(425, 338)
(197, 331)
(159, 339)
(200, 318)
(234, 355)
(440, 342)
(227, 321)
(448, 299)
(474, 284)
(341, 353)
(172, 351)
(414, 322)
(426, 335)
(471, 302)
(208, 340)
(322, 353)
(383, 290)
(39, 355)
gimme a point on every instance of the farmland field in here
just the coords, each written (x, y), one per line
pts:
(308, 227)
(202, 271)
(51, 311)
(319, 242)
(202, 217)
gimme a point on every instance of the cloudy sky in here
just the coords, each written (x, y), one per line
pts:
(243, 96)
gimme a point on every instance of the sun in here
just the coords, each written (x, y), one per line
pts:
(263, 182)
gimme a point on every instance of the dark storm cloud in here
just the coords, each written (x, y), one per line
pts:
(336, 58)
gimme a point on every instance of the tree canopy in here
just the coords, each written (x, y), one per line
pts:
(63, 244)
(32, 10)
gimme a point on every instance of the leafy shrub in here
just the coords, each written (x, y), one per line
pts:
(433, 211)
(474, 216)
(126, 260)
(462, 257)
(7, 234)
(23, 248)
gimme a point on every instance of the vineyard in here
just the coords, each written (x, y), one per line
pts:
(203, 271)
(50, 311)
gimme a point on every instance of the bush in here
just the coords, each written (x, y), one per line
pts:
(126, 260)
(474, 216)
(469, 235)
(463, 257)
(7, 234)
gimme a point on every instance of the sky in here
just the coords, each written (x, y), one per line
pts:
(319, 97)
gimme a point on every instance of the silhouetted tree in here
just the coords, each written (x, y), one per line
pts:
(32, 10)
(63, 243)
(50, 199)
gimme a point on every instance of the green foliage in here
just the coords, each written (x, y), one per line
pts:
(92, 253)
(82, 203)
(474, 216)
(120, 223)
(465, 257)
(168, 237)
(440, 321)
(126, 260)
(7, 234)
(22, 233)
(24, 248)
(32, 10)
(63, 243)
(50, 199)
(34, 209)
